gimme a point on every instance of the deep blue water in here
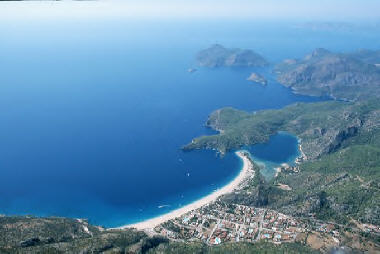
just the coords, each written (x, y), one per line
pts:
(93, 113)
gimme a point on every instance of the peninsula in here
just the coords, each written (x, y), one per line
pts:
(321, 126)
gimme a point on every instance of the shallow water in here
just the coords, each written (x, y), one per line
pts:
(280, 148)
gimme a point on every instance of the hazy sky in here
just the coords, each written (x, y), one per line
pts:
(295, 9)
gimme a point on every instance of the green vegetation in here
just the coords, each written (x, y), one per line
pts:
(62, 235)
(260, 247)
(321, 126)
(339, 186)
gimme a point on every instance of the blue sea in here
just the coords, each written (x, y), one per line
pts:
(93, 114)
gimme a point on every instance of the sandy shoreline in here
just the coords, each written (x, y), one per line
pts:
(234, 184)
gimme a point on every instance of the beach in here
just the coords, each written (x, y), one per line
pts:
(245, 173)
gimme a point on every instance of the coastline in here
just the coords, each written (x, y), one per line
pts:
(245, 173)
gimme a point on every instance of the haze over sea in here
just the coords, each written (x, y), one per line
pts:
(93, 114)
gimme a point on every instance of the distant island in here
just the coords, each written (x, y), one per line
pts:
(348, 77)
(219, 56)
(336, 26)
(257, 78)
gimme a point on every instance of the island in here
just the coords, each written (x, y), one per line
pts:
(257, 78)
(348, 77)
(219, 56)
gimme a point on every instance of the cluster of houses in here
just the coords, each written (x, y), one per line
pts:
(369, 228)
(218, 223)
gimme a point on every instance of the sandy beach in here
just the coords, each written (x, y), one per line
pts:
(246, 172)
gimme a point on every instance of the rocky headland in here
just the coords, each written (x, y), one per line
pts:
(348, 77)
